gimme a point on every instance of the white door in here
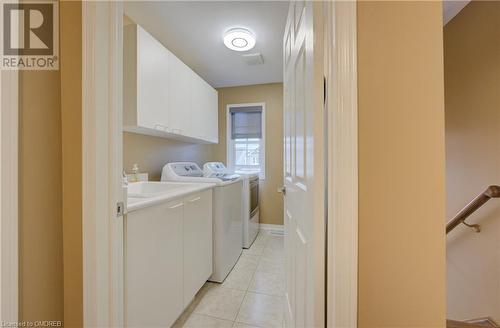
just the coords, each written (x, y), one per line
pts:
(302, 141)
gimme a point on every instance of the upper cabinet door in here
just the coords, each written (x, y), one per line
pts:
(199, 117)
(152, 82)
(213, 113)
(180, 96)
(204, 110)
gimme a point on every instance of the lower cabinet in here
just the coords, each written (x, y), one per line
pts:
(168, 258)
(197, 243)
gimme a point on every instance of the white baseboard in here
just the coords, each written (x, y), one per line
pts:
(272, 227)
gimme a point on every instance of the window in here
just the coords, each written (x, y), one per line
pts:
(245, 135)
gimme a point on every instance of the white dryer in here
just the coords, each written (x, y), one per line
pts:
(227, 218)
(250, 199)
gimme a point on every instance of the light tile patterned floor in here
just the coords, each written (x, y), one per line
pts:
(251, 295)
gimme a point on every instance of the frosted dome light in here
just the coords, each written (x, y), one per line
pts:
(239, 39)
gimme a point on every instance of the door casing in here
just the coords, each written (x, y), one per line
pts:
(334, 265)
(9, 247)
(342, 143)
(103, 273)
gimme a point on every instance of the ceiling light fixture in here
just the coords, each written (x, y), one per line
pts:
(239, 39)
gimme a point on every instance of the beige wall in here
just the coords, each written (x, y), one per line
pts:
(40, 198)
(71, 110)
(472, 85)
(50, 163)
(153, 153)
(271, 206)
(401, 165)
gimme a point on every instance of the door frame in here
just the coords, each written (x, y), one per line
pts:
(103, 279)
(9, 170)
(102, 55)
(342, 140)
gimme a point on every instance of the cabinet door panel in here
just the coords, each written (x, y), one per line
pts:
(197, 243)
(152, 82)
(180, 96)
(199, 118)
(205, 110)
(213, 112)
(153, 265)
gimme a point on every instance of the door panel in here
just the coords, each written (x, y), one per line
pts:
(298, 9)
(288, 113)
(290, 271)
(303, 295)
(300, 117)
(300, 280)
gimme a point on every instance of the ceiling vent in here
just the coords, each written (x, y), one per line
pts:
(253, 59)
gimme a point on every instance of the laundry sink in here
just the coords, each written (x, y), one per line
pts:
(154, 189)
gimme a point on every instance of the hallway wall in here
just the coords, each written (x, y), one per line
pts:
(50, 253)
(401, 165)
(472, 84)
(40, 197)
(70, 37)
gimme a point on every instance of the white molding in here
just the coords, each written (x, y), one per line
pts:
(230, 143)
(9, 252)
(272, 227)
(102, 26)
(341, 74)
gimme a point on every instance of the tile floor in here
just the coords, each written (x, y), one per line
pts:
(251, 295)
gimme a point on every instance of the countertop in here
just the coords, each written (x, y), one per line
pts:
(134, 204)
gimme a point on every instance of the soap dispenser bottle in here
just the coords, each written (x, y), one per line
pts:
(135, 171)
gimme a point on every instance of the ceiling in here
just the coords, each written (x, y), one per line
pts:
(193, 31)
(451, 8)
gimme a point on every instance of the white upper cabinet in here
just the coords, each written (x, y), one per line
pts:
(161, 95)
(205, 124)
(180, 101)
(213, 114)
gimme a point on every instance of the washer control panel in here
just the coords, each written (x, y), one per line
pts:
(187, 169)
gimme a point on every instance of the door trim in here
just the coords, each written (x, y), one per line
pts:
(342, 233)
(9, 247)
(102, 55)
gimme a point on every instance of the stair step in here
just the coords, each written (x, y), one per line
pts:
(478, 323)
(460, 324)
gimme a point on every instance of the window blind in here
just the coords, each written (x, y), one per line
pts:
(246, 122)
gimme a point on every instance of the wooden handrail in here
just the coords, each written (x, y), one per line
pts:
(474, 205)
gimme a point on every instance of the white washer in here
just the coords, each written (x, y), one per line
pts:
(227, 219)
(250, 198)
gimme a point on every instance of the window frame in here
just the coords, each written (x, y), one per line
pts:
(230, 144)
